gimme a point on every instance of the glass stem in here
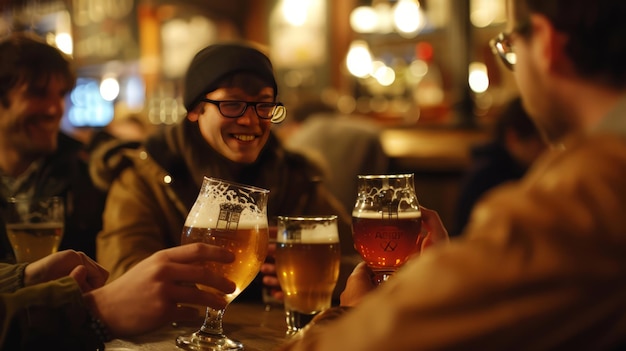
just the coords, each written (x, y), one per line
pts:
(381, 277)
(213, 322)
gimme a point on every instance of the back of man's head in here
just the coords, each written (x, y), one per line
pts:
(595, 32)
(26, 59)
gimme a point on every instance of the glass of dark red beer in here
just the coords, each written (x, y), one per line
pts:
(386, 222)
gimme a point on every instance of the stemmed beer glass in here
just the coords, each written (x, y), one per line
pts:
(386, 222)
(233, 216)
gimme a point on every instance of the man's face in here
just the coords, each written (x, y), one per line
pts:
(525, 70)
(31, 122)
(239, 139)
(535, 80)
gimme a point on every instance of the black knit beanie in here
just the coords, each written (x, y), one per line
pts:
(216, 61)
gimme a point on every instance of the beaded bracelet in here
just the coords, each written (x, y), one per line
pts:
(101, 329)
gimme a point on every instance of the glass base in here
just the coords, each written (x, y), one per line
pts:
(202, 341)
(296, 321)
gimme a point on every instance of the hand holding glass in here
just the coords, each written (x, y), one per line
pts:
(233, 216)
(386, 222)
(34, 226)
(307, 265)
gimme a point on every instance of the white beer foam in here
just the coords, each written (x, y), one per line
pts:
(319, 234)
(40, 225)
(205, 213)
(379, 215)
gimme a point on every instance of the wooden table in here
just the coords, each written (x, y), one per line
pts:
(258, 328)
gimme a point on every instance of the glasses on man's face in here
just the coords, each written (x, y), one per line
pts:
(501, 46)
(274, 111)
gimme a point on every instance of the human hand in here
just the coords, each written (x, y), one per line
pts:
(150, 294)
(359, 283)
(88, 274)
(268, 270)
(433, 227)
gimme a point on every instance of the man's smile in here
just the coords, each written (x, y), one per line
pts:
(244, 137)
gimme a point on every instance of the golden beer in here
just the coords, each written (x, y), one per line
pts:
(249, 245)
(308, 274)
(32, 241)
(232, 216)
(307, 266)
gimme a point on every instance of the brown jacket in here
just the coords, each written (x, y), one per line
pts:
(542, 266)
(154, 185)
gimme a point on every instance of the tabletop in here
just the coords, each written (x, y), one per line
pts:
(258, 327)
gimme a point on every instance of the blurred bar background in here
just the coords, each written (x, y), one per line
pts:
(422, 70)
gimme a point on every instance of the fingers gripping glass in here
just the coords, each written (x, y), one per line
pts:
(501, 46)
(274, 111)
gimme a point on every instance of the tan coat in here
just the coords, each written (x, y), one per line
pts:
(542, 266)
(152, 188)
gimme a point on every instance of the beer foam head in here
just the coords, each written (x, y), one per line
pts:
(386, 193)
(226, 202)
(380, 215)
(310, 230)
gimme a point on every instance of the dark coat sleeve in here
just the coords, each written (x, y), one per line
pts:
(47, 316)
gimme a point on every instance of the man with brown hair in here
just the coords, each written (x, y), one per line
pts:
(36, 158)
(60, 301)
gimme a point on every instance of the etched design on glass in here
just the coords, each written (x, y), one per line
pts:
(228, 218)
(388, 204)
(386, 222)
(390, 246)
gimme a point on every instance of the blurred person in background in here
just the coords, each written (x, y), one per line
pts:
(231, 97)
(345, 145)
(36, 158)
(515, 145)
(131, 128)
(541, 264)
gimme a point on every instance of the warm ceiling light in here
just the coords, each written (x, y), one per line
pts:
(364, 19)
(359, 59)
(408, 18)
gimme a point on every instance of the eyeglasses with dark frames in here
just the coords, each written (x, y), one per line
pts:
(274, 111)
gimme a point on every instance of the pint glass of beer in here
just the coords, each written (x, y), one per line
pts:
(386, 222)
(307, 266)
(34, 226)
(233, 216)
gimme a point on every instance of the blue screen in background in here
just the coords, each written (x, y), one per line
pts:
(85, 107)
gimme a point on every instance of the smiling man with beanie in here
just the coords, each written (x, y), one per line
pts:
(230, 94)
